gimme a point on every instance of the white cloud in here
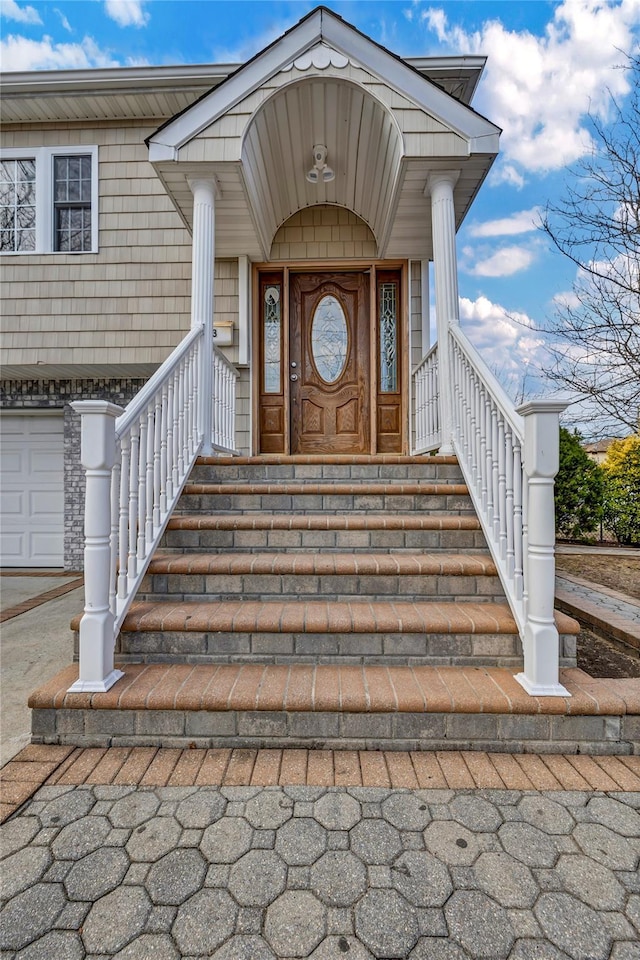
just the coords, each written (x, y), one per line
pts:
(11, 10)
(525, 221)
(540, 88)
(507, 343)
(503, 263)
(19, 53)
(63, 20)
(506, 173)
(127, 13)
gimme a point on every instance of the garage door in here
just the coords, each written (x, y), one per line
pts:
(32, 490)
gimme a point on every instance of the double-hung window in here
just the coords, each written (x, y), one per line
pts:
(49, 200)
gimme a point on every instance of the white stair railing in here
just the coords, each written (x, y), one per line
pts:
(137, 462)
(509, 458)
(426, 409)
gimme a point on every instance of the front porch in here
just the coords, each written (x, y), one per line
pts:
(331, 506)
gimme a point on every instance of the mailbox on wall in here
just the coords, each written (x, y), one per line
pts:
(223, 333)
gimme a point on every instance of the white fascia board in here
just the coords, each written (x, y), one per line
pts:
(206, 111)
(460, 118)
(160, 151)
(488, 144)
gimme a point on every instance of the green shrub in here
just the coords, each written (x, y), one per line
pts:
(579, 489)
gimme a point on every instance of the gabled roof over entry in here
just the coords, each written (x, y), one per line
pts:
(322, 25)
(385, 125)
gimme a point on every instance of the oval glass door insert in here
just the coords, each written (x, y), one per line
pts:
(329, 339)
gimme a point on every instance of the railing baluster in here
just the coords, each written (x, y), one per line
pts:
(123, 537)
(149, 484)
(175, 416)
(495, 472)
(501, 532)
(518, 572)
(142, 491)
(157, 468)
(509, 508)
(134, 465)
(115, 519)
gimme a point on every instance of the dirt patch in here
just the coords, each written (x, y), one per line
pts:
(599, 658)
(617, 573)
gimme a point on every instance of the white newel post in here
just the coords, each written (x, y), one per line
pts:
(443, 224)
(202, 294)
(97, 639)
(541, 641)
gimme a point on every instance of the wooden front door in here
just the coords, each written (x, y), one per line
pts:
(329, 370)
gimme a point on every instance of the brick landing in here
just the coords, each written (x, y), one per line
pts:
(345, 707)
(157, 767)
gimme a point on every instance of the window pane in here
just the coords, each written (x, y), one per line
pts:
(7, 240)
(25, 240)
(329, 339)
(72, 196)
(388, 338)
(26, 170)
(272, 338)
(26, 217)
(17, 205)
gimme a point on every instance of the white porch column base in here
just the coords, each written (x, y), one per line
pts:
(204, 192)
(443, 224)
(541, 689)
(541, 643)
(97, 640)
(95, 686)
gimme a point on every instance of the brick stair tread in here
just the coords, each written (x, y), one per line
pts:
(308, 521)
(325, 458)
(329, 564)
(320, 616)
(328, 488)
(347, 689)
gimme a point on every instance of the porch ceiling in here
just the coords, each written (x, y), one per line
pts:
(365, 151)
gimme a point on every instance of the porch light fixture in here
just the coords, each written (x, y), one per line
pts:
(320, 171)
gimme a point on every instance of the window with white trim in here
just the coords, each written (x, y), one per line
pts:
(49, 200)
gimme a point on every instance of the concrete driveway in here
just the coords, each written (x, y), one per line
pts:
(34, 644)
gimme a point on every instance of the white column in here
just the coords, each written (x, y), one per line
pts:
(202, 292)
(443, 225)
(540, 676)
(97, 640)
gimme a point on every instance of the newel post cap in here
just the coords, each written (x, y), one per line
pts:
(98, 443)
(544, 405)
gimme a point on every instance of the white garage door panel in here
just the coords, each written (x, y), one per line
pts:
(42, 461)
(32, 501)
(11, 502)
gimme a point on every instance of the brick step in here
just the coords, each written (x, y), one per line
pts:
(339, 707)
(327, 532)
(329, 576)
(440, 469)
(354, 631)
(325, 459)
(332, 497)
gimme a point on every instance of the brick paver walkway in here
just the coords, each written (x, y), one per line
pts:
(616, 614)
(106, 869)
(160, 767)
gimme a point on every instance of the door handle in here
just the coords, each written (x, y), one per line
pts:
(293, 377)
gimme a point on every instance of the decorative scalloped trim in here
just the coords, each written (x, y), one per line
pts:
(321, 56)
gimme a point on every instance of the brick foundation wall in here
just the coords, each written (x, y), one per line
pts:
(58, 395)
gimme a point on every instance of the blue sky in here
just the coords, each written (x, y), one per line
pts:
(549, 65)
